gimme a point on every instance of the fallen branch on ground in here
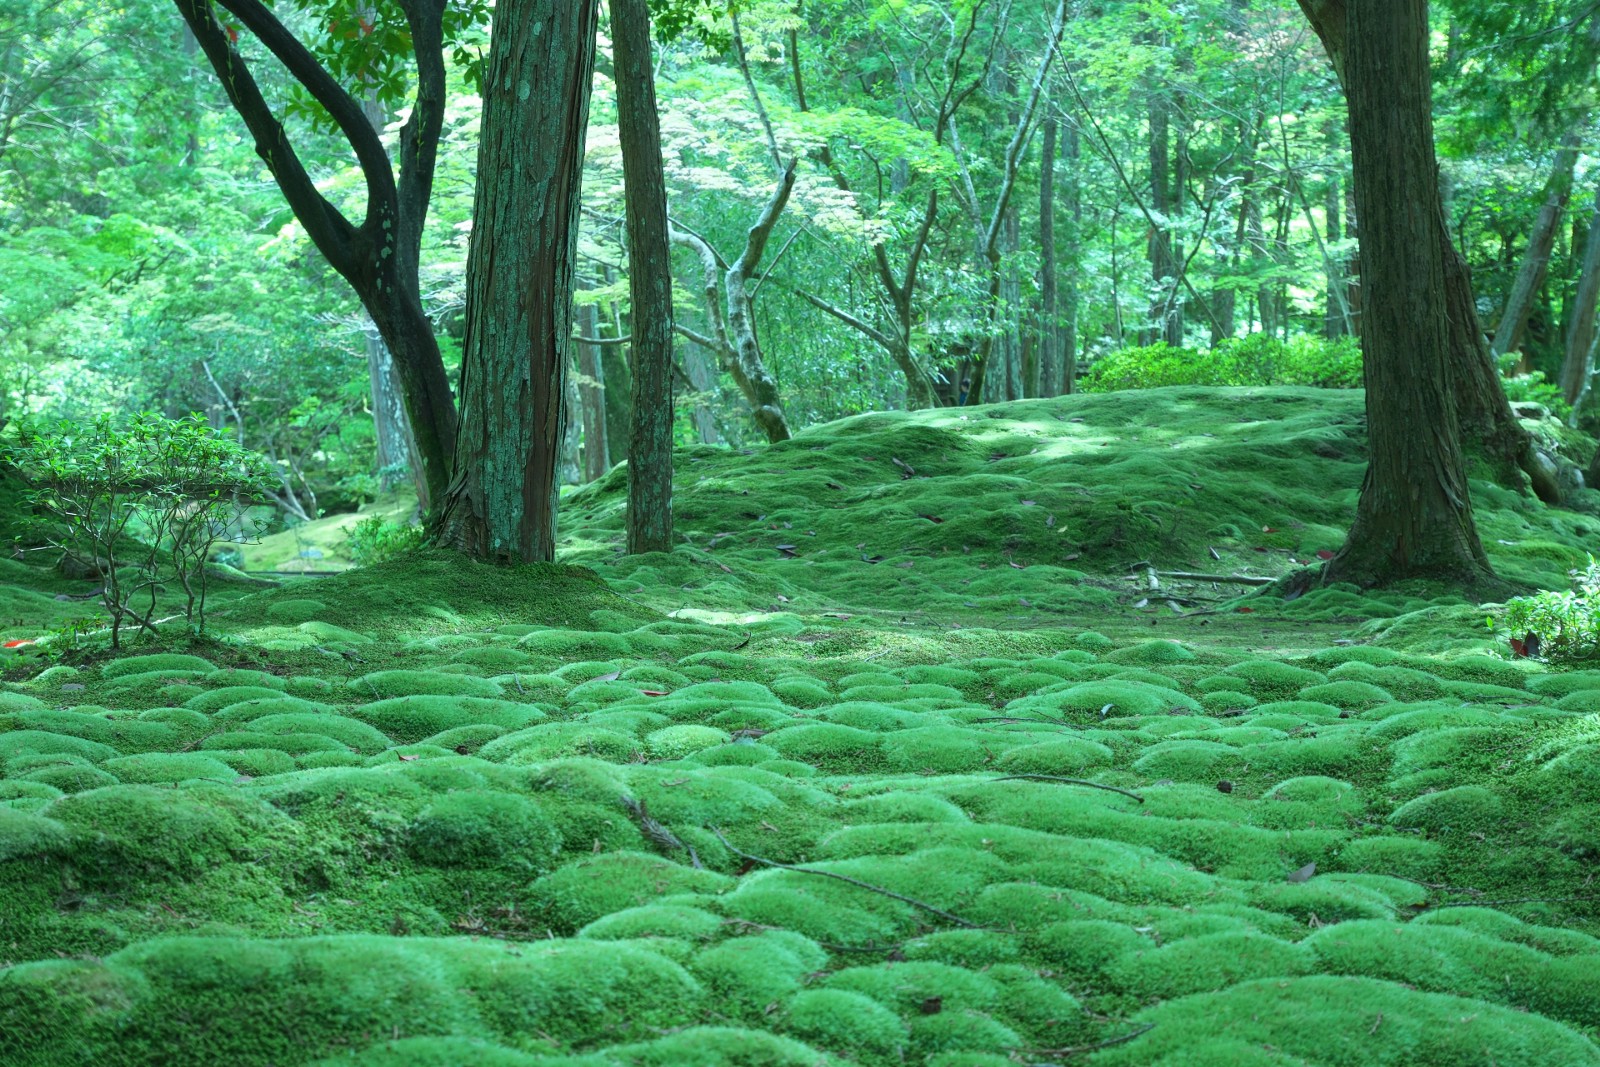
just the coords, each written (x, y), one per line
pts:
(958, 920)
(1067, 781)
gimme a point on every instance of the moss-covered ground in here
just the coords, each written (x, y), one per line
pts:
(901, 759)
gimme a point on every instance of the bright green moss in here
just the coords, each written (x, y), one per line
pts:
(1206, 964)
(1460, 810)
(673, 742)
(189, 666)
(410, 719)
(579, 893)
(383, 685)
(481, 829)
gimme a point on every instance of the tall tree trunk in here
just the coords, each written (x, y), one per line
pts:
(1541, 244)
(1047, 381)
(1414, 518)
(592, 397)
(1163, 260)
(501, 504)
(1581, 319)
(1074, 243)
(701, 370)
(649, 280)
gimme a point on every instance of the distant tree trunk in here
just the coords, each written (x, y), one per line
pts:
(396, 449)
(649, 280)
(1541, 244)
(1009, 347)
(1335, 321)
(570, 469)
(1352, 263)
(1074, 243)
(592, 397)
(1575, 367)
(701, 371)
(1166, 319)
(1414, 517)
(502, 499)
(1047, 381)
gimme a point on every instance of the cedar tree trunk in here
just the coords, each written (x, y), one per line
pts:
(649, 280)
(501, 504)
(1414, 518)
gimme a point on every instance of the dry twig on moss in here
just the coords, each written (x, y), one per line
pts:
(1067, 781)
(958, 920)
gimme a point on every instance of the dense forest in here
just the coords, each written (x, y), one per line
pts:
(769, 533)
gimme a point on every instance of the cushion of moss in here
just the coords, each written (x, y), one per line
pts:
(655, 920)
(125, 831)
(741, 753)
(294, 610)
(452, 1052)
(164, 661)
(228, 676)
(536, 744)
(1064, 756)
(290, 744)
(577, 894)
(1084, 702)
(846, 1023)
(217, 699)
(409, 719)
(708, 1046)
(71, 778)
(672, 742)
(259, 707)
(1319, 1019)
(16, 743)
(1461, 809)
(484, 829)
(828, 746)
(348, 731)
(386, 684)
(1560, 685)
(1205, 964)
(125, 735)
(23, 834)
(750, 974)
(304, 998)
(256, 761)
(1190, 761)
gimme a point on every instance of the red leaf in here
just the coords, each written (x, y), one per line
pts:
(1520, 647)
(1323, 553)
(1247, 611)
(19, 642)
(233, 34)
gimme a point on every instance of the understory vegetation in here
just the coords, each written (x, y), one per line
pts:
(919, 751)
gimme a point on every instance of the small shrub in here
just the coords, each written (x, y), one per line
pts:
(138, 501)
(1257, 359)
(1566, 624)
(378, 540)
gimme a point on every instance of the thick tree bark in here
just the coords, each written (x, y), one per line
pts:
(1581, 331)
(1484, 418)
(649, 280)
(592, 397)
(501, 504)
(1048, 363)
(1541, 244)
(380, 257)
(1414, 518)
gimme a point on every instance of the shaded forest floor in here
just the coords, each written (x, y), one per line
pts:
(827, 784)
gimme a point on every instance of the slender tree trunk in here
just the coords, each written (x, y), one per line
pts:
(396, 450)
(592, 397)
(569, 471)
(1414, 518)
(1335, 321)
(1581, 320)
(502, 499)
(1541, 244)
(649, 279)
(701, 371)
(1074, 244)
(1163, 265)
(1047, 382)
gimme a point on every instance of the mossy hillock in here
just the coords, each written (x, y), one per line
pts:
(733, 806)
